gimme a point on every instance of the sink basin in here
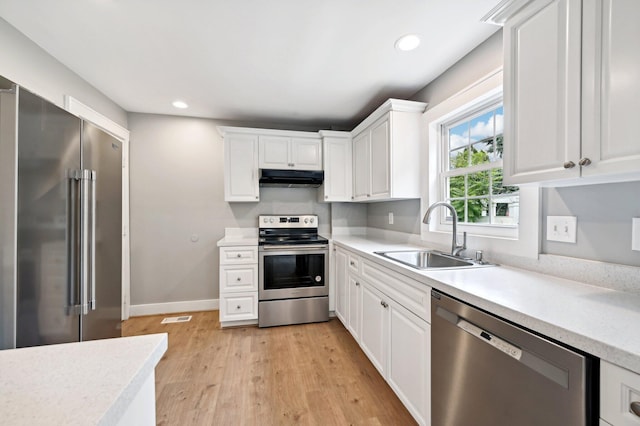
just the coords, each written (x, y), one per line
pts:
(429, 259)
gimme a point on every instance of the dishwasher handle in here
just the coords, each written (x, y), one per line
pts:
(534, 362)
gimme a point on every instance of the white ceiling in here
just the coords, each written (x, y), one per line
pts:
(308, 62)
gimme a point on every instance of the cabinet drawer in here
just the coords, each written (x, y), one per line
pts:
(238, 255)
(238, 278)
(354, 263)
(411, 294)
(619, 388)
(238, 306)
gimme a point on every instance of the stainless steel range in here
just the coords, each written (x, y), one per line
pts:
(293, 271)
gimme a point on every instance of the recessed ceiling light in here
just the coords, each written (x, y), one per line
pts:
(180, 104)
(408, 42)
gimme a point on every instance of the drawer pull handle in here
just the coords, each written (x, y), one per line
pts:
(384, 304)
(569, 165)
(635, 408)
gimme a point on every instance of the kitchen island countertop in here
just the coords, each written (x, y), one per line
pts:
(596, 320)
(87, 383)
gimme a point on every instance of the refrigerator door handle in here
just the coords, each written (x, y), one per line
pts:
(73, 207)
(85, 237)
(92, 275)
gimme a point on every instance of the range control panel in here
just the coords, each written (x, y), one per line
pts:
(272, 221)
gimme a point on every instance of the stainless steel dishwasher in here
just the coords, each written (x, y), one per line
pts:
(488, 372)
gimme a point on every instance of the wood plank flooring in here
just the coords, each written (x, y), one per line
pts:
(311, 374)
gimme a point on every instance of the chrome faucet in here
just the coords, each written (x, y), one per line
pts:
(455, 248)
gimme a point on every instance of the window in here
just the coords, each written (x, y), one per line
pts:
(507, 219)
(471, 168)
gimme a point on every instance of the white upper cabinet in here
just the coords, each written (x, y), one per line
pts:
(569, 96)
(240, 167)
(610, 87)
(386, 164)
(336, 149)
(290, 150)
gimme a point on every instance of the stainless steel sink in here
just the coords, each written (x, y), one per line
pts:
(430, 259)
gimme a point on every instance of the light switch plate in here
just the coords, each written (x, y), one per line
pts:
(635, 233)
(562, 228)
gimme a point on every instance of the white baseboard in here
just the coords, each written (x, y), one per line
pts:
(173, 307)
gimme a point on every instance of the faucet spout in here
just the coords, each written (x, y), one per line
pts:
(455, 247)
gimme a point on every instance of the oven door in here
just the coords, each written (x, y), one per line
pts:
(288, 272)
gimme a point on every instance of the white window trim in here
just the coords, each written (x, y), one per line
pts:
(522, 241)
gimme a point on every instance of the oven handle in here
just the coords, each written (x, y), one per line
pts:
(298, 247)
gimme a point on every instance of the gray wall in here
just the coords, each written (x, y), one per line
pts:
(25, 63)
(177, 192)
(604, 215)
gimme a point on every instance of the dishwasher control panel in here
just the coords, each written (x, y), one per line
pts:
(494, 341)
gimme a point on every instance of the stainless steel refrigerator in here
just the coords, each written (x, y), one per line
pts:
(62, 246)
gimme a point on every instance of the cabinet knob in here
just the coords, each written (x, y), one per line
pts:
(357, 284)
(634, 408)
(384, 304)
(326, 196)
(257, 197)
(238, 307)
(352, 263)
(239, 279)
(569, 165)
(584, 161)
(238, 255)
(368, 195)
(352, 197)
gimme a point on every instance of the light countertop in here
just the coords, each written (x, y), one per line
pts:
(593, 319)
(234, 237)
(87, 383)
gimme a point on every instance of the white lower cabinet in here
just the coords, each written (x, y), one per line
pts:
(341, 277)
(409, 362)
(238, 285)
(619, 395)
(375, 327)
(355, 306)
(387, 314)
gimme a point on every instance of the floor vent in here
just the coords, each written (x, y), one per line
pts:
(171, 320)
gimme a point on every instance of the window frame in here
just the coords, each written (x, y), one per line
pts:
(521, 241)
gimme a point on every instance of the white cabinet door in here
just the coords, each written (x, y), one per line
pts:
(274, 152)
(241, 168)
(306, 154)
(361, 167)
(611, 91)
(375, 327)
(619, 392)
(379, 152)
(355, 306)
(410, 361)
(342, 276)
(337, 184)
(542, 92)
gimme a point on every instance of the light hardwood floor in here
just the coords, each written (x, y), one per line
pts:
(311, 374)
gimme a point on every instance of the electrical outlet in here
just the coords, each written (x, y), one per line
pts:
(390, 218)
(562, 228)
(635, 234)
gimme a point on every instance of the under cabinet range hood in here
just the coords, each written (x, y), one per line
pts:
(291, 178)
